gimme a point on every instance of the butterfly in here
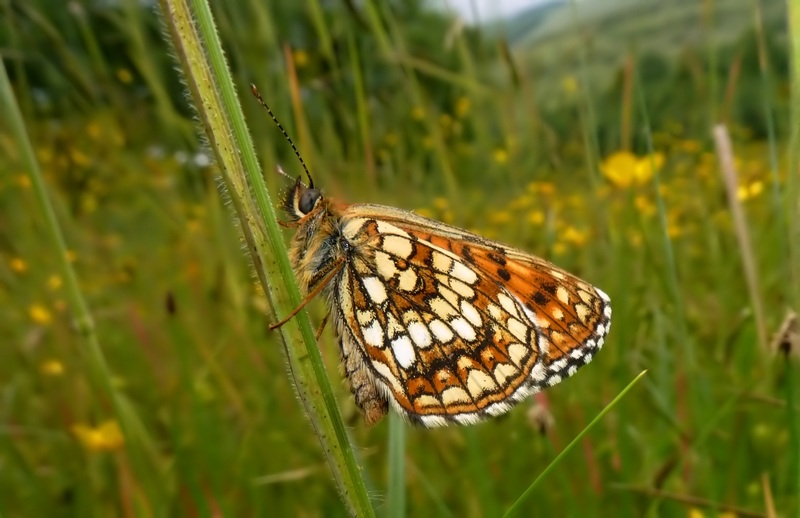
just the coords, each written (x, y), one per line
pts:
(443, 325)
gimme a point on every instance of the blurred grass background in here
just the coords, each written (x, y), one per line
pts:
(580, 132)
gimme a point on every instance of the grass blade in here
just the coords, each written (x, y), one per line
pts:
(200, 53)
(516, 508)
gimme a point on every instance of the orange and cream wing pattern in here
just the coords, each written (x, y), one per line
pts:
(456, 328)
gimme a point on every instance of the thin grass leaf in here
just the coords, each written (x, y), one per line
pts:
(396, 491)
(138, 443)
(516, 508)
(211, 85)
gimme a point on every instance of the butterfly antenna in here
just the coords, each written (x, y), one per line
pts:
(280, 127)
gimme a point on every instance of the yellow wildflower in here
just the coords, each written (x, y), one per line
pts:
(751, 190)
(690, 146)
(94, 130)
(569, 84)
(536, 217)
(391, 139)
(124, 75)
(300, 58)
(106, 437)
(79, 158)
(23, 181)
(500, 155)
(500, 217)
(441, 203)
(52, 368)
(625, 169)
(18, 265)
(644, 205)
(462, 106)
(40, 314)
(417, 113)
(574, 236)
(54, 282)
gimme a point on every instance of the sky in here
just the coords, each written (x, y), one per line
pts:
(488, 9)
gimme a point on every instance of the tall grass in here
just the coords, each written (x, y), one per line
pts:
(438, 120)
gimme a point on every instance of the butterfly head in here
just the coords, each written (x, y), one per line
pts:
(302, 200)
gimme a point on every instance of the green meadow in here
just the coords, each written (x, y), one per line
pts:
(652, 148)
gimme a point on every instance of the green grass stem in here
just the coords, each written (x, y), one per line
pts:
(200, 53)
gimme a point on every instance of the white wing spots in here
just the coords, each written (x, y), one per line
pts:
(582, 310)
(385, 372)
(558, 275)
(449, 295)
(375, 289)
(562, 295)
(558, 365)
(441, 331)
(543, 343)
(407, 280)
(554, 380)
(364, 317)
(516, 352)
(508, 304)
(469, 311)
(385, 265)
(455, 395)
(419, 334)
(467, 418)
(503, 371)
(432, 421)
(587, 297)
(461, 288)
(353, 227)
(602, 295)
(464, 273)
(601, 330)
(572, 370)
(496, 409)
(393, 326)
(442, 308)
(538, 373)
(373, 334)
(558, 314)
(463, 328)
(607, 311)
(495, 312)
(577, 354)
(426, 400)
(518, 329)
(441, 262)
(398, 246)
(387, 228)
(479, 382)
(403, 351)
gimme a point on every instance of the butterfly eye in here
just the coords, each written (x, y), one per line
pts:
(308, 199)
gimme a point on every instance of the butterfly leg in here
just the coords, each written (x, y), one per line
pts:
(322, 326)
(330, 274)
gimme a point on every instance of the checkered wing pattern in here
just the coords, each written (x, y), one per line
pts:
(456, 328)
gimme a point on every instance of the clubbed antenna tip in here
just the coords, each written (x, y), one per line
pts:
(257, 94)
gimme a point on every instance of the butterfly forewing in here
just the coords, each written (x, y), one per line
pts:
(452, 327)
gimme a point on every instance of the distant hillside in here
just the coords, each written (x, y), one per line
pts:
(522, 25)
(548, 40)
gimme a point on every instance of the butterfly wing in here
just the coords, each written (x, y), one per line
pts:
(455, 327)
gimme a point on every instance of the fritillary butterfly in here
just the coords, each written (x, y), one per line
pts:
(444, 325)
